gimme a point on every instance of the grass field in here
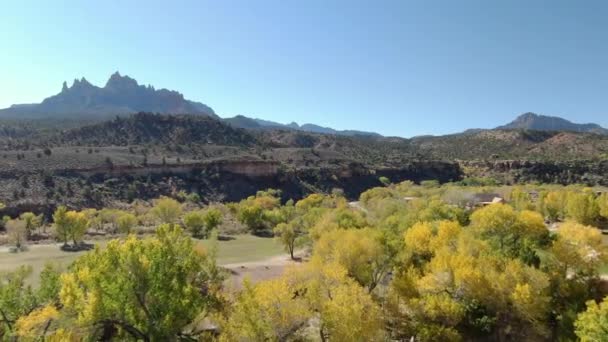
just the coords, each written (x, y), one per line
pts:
(242, 248)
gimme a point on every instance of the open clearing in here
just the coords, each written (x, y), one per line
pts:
(231, 250)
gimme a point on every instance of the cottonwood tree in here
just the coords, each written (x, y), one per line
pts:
(32, 222)
(582, 207)
(17, 233)
(212, 219)
(275, 310)
(360, 252)
(592, 324)
(70, 225)
(195, 223)
(167, 210)
(602, 203)
(146, 289)
(126, 222)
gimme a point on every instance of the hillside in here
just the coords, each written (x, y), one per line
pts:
(188, 130)
(120, 95)
(513, 144)
(147, 128)
(531, 121)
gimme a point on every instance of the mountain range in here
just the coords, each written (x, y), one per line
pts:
(123, 95)
(241, 121)
(120, 95)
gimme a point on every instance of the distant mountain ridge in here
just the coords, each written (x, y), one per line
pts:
(536, 122)
(241, 121)
(120, 95)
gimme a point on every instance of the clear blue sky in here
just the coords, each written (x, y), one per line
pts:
(396, 67)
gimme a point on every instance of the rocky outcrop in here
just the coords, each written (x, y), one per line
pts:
(589, 172)
(120, 95)
(223, 180)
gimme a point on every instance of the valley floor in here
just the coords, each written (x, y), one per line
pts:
(258, 257)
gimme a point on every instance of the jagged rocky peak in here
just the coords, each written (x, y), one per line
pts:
(116, 81)
(81, 84)
(120, 95)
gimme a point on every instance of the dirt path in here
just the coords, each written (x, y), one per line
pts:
(257, 271)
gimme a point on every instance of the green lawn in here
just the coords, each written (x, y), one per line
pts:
(242, 248)
(245, 248)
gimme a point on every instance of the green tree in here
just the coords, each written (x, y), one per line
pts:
(592, 324)
(148, 289)
(126, 222)
(582, 207)
(516, 234)
(256, 211)
(384, 180)
(195, 223)
(268, 311)
(193, 197)
(70, 225)
(16, 299)
(554, 205)
(253, 216)
(602, 204)
(212, 218)
(520, 199)
(359, 251)
(167, 210)
(290, 235)
(32, 222)
(61, 223)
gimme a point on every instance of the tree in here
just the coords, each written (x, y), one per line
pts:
(384, 180)
(602, 203)
(253, 216)
(16, 299)
(289, 235)
(126, 222)
(554, 205)
(193, 197)
(195, 223)
(346, 311)
(269, 311)
(254, 212)
(146, 289)
(360, 252)
(578, 251)
(17, 233)
(520, 199)
(61, 223)
(516, 234)
(212, 218)
(38, 322)
(78, 224)
(70, 225)
(275, 310)
(582, 207)
(167, 210)
(32, 222)
(592, 324)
